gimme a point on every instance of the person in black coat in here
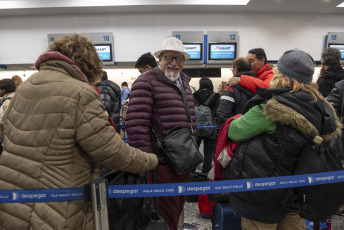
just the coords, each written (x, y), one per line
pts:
(233, 99)
(110, 94)
(332, 72)
(206, 89)
(336, 98)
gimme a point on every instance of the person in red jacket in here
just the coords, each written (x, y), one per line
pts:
(259, 67)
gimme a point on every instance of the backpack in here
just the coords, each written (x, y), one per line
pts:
(205, 117)
(318, 202)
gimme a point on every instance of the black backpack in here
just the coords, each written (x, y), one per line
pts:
(205, 117)
(318, 202)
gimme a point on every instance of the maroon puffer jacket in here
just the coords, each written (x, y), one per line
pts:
(157, 103)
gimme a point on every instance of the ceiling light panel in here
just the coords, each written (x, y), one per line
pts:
(91, 3)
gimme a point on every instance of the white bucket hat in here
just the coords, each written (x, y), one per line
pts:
(172, 44)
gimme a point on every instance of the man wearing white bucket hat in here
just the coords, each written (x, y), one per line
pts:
(156, 103)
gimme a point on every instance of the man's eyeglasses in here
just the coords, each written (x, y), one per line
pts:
(179, 60)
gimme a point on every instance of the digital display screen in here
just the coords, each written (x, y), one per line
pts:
(222, 51)
(104, 51)
(194, 50)
(340, 47)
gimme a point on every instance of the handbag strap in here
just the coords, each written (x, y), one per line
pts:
(186, 106)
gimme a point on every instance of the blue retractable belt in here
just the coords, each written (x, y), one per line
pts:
(175, 189)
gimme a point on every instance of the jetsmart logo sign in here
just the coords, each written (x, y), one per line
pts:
(190, 48)
(218, 47)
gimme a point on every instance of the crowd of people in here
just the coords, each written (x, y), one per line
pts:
(65, 122)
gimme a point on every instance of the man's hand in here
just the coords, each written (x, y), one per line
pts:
(234, 81)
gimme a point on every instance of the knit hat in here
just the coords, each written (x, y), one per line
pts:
(297, 65)
(172, 44)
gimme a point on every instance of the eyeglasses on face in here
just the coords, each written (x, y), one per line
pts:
(179, 60)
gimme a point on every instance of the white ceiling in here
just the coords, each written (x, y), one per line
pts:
(49, 7)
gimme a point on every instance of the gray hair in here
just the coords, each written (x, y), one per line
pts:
(331, 56)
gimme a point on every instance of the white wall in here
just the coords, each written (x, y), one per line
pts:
(22, 39)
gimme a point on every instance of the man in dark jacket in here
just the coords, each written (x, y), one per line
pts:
(156, 106)
(110, 94)
(233, 99)
(332, 71)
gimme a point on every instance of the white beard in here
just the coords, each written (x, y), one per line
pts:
(171, 76)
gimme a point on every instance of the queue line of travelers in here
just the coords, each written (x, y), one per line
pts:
(71, 133)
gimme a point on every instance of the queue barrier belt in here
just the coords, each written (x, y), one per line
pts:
(175, 189)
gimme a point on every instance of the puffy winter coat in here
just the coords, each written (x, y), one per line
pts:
(329, 78)
(336, 98)
(232, 101)
(156, 103)
(265, 74)
(56, 132)
(298, 119)
(6, 100)
(110, 94)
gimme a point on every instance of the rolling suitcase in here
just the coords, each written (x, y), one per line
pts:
(225, 218)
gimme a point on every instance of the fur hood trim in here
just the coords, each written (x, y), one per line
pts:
(285, 115)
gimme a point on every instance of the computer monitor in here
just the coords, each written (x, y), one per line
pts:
(222, 51)
(104, 51)
(194, 50)
(340, 47)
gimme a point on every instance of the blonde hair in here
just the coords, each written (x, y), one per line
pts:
(17, 80)
(82, 51)
(223, 86)
(282, 81)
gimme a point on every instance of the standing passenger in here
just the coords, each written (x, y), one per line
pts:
(332, 72)
(7, 88)
(124, 92)
(145, 63)
(273, 132)
(156, 103)
(17, 80)
(206, 89)
(56, 134)
(110, 94)
(259, 67)
(233, 99)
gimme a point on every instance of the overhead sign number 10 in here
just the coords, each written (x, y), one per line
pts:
(106, 38)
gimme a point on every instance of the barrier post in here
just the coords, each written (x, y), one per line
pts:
(99, 193)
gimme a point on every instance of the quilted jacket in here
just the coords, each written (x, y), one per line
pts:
(156, 104)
